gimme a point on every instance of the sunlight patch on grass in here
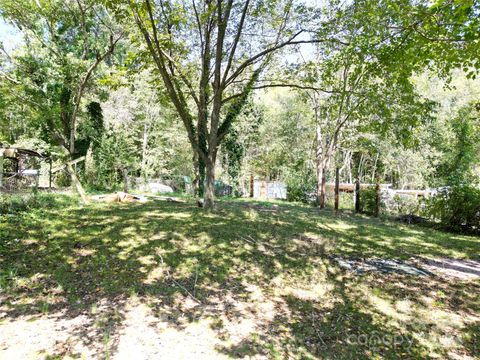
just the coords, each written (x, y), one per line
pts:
(318, 292)
(404, 306)
(387, 308)
(155, 275)
(247, 280)
(84, 252)
(146, 260)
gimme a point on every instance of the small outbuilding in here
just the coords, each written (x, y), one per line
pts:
(20, 168)
(263, 189)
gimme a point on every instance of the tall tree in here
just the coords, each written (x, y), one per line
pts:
(65, 44)
(364, 78)
(209, 55)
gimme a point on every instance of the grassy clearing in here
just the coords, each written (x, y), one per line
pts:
(250, 279)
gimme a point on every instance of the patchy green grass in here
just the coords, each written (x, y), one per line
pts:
(247, 280)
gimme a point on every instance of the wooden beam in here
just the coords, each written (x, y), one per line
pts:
(377, 200)
(68, 163)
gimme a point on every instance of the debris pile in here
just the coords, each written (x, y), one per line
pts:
(123, 197)
(120, 197)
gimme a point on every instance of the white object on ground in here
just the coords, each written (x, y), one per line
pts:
(159, 188)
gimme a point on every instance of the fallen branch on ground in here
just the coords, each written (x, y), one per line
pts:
(166, 198)
(170, 277)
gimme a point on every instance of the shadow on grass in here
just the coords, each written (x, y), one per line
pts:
(189, 264)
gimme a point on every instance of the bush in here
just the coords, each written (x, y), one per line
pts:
(457, 208)
(301, 190)
(402, 205)
(368, 200)
(62, 179)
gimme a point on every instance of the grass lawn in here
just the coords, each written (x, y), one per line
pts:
(250, 280)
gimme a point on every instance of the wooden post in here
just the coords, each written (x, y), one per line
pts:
(251, 185)
(377, 199)
(357, 194)
(337, 188)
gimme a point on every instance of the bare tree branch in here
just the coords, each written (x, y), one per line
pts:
(273, 48)
(9, 78)
(235, 43)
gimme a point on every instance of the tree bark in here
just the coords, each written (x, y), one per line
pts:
(377, 199)
(201, 176)
(1, 168)
(216, 74)
(322, 158)
(337, 188)
(209, 195)
(252, 185)
(144, 151)
(196, 179)
(77, 183)
(322, 163)
(374, 170)
(357, 194)
(125, 179)
(50, 172)
(323, 182)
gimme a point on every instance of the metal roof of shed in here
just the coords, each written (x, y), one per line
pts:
(12, 152)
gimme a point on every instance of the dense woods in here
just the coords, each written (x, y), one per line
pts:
(377, 89)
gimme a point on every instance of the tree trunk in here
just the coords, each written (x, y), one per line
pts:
(73, 176)
(252, 185)
(77, 183)
(50, 172)
(72, 137)
(125, 179)
(201, 177)
(1, 168)
(361, 168)
(337, 188)
(196, 175)
(323, 190)
(322, 166)
(322, 159)
(209, 193)
(374, 171)
(377, 199)
(319, 183)
(144, 151)
(357, 194)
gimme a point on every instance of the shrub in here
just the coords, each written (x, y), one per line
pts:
(402, 205)
(62, 179)
(14, 204)
(457, 208)
(299, 189)
(368, 199)
(10, 204)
